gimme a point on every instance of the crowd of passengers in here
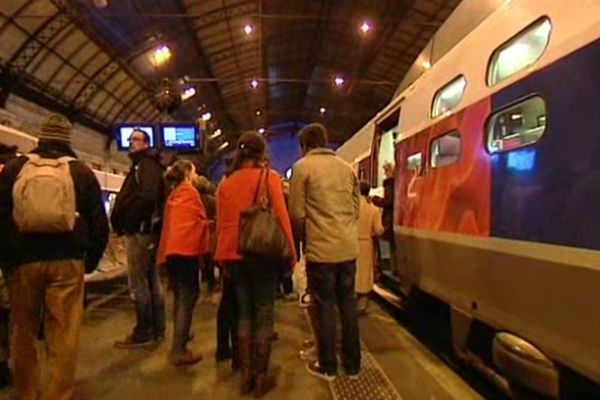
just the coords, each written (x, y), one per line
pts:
(255, 227)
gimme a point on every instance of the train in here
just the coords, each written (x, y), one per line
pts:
(113, 263)
(497, 197)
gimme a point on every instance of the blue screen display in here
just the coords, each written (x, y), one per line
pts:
(180, 137)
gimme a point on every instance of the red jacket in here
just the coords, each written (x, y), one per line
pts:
(236, 194)
(185, 229)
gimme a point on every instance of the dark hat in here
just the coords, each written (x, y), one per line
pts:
(252, 141)
(56, 128)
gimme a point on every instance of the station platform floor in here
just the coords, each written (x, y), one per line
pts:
(395, 364)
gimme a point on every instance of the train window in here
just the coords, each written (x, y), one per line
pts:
(448, 97)
(445, 150)
(519, 125)
(520, 52)
(415, 163)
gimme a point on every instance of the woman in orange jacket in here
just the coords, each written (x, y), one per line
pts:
(254, 281)
(184, 238)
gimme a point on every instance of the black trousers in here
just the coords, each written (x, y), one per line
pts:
(227, 317)
(331, 285)
(185, 281)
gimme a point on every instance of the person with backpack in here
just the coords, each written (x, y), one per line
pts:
(55, 229)
(184, 240)
(254, 242)
(137, 214)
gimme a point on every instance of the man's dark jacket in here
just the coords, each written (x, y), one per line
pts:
(88, 240)
(138, 206)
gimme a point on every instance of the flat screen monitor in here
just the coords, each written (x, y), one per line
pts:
(180, 137)
(124, 131)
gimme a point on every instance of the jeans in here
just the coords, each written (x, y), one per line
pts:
(255, 283)
(145, 287)
(184, 275)
(57, 288)
(227, 317)
(333, 284)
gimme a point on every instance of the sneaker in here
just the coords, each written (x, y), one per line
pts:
(315, 369)
(308, 354)
(185, 359)
(353, 376)
(132, 342)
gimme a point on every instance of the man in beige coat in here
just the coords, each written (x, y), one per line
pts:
(324, 205)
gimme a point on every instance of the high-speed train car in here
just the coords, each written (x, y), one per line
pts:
(113, 262)
(497, 195)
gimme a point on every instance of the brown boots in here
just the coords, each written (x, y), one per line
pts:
(264, 383)
(254, 364)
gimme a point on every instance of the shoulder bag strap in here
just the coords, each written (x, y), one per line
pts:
(257, 193)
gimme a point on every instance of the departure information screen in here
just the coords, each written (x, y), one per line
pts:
(180, 137)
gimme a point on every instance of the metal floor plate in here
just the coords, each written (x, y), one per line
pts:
(372, 383)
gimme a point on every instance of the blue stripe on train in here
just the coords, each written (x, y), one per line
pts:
(550, 192)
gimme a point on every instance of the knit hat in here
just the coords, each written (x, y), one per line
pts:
(251, 142)
(56, 128)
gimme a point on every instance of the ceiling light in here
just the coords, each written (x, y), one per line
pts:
(254, 83)
(365, 27)
(426, 64)
(322, 110)
(223, 146)
(261, 131)
(258, 113)
(339, 81)
(248, 29)
(188, 93)
(161, 55)
(216, 134)
(206, 116)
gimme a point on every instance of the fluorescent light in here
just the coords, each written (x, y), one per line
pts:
(258, 113)
(339, 81)
(223, 146)
(161, 55)
(254, 83)
(248, 29)
(261, 131)
(216, 134)
(365, 27)
(322, 110)
(206, 116)
(188, 93)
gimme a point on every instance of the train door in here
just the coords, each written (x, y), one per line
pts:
(382, 154)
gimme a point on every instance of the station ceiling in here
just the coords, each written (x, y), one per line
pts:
(96, 59)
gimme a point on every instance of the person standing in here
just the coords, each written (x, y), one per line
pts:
(184, 239)
(55, 228)
(369, 227)
(7, 153)
(386, 203)
(324, 206)
(136, 214)
(254, 280)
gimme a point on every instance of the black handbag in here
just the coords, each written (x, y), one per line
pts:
(260, 233)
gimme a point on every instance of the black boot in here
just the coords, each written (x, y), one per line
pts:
(5, 378)
(264, 383)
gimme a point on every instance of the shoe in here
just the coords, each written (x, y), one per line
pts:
(185, 359)
(132, 342)
(264, 384)
(308, 354)
(291, 297)
(353, 376)
(315, 369)
(5, 377)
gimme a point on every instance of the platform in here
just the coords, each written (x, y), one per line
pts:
(395, 364)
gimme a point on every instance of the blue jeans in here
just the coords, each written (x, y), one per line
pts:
(184, 275)
(255, 283)
(145, 286)
(331, 285)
